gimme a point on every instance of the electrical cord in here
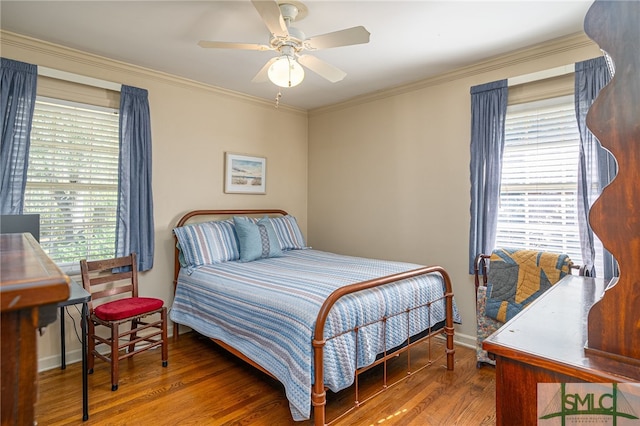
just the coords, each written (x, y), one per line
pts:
(75, 326)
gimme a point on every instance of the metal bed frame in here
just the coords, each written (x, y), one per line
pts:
(318, 393)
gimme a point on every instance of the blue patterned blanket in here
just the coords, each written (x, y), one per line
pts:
(267, 309)
(517, 277)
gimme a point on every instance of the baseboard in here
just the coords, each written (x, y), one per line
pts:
(465, 340)
(54, 361)
(73, 356)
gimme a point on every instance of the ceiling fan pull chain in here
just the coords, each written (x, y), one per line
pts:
(289, 68)
(278, 96)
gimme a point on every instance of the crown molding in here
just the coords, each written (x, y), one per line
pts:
(108, 66)
(529, 54)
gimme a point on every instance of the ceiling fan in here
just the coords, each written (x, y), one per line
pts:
(284, 70)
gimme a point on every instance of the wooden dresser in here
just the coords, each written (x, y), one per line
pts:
(580, 330)
(545, 344)
(29, 281)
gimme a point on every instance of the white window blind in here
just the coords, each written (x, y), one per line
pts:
(538, 196)
(72, 180)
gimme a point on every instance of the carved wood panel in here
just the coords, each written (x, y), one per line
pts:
(614, 118)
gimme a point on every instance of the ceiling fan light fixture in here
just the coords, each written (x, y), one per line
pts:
(286, 72)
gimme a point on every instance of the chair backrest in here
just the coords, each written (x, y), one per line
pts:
(482, 263)
(110, 277)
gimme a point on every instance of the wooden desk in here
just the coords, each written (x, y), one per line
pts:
(545, 344)
(29, 281)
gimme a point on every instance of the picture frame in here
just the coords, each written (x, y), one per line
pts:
(244, 174)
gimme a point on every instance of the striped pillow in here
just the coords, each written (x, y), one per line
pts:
(207, 243)
(288, 232)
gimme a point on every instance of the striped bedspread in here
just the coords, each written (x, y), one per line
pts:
(267, 309)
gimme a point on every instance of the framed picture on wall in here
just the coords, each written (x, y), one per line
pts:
(244, 174)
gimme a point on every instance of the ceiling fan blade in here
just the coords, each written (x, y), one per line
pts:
(263, 75)
(322, 68)
(355, 35)
(226, 45)
(270, 13)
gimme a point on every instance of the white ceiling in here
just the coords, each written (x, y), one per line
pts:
(410, 40)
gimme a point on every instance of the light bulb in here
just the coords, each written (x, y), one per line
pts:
(286, 72)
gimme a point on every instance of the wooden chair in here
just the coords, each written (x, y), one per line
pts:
(103, 279)
(486, 324)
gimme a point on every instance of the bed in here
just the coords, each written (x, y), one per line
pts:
(311, 319)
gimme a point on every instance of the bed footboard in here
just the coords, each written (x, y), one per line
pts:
(318, 395)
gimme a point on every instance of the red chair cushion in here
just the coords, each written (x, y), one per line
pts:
(129, 307)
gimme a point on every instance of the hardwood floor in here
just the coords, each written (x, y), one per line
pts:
(205, 385)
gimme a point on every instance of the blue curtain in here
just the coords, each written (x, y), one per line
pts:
(135, 226)
(18, 93)
(488, 113)
(596, 167)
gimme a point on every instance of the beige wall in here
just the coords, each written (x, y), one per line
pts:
(389, 173)
(385, 175)
(192, 126)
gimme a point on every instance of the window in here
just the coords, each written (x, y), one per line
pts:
(538, 194)
(72, 180)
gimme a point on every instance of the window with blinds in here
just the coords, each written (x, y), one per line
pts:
(538, 196)
(72, 180)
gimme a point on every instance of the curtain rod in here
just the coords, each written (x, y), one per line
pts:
(77, 78)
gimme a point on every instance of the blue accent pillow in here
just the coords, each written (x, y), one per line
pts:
(257, 240)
